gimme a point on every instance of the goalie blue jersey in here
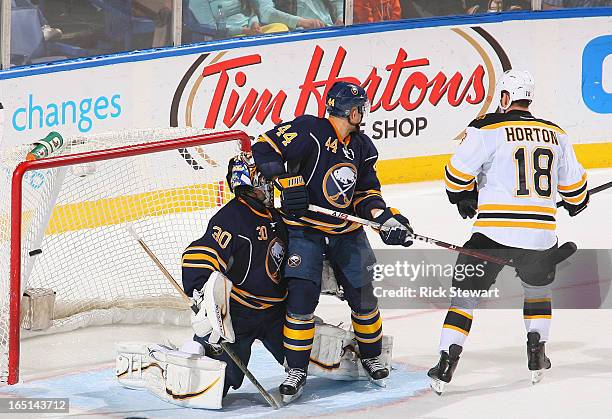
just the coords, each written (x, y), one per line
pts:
(247, 243)
(339, 172)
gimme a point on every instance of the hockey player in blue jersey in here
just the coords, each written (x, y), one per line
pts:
(245, 242)
(330, 163)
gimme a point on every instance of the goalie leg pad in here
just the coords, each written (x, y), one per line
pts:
(177, 377)
(131, 361)
(335, 354)
(195, 382)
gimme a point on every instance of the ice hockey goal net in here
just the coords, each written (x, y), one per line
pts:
(65, 226)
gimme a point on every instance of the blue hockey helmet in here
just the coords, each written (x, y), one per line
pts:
(242, 175)
(344, 96)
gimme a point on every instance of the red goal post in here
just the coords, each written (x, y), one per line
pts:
(16, 211)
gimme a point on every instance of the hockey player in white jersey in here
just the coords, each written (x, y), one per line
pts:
(507, 170)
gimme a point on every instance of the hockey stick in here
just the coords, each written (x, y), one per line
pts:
(593, 191)
(562, 253)
(266, 395)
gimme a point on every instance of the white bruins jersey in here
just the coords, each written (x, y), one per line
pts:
(516, 163)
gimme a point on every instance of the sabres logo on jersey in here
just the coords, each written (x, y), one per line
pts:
(274, 259)
(339, 184)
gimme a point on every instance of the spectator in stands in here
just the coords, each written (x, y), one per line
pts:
(240, 17)
(427, 8)
(49, 33)
(557, 4)
(301, 14)
(160, 11)
(366, 11)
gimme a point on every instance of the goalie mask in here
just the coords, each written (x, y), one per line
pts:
(244, 178)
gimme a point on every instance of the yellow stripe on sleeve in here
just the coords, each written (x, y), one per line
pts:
(457, 187)
(201, 256)
(576, 199)
(458, 173)
(209, 250)
(199, 265)
(573, 186)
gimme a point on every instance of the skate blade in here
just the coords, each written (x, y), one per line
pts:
(380, 383)
(437, 386)
(536, 376)
(290, 398)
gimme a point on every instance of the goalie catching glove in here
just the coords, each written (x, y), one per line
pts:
(213, 317)
(294, 195)
(394, 227)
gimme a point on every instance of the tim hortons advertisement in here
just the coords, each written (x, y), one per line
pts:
(418, 93)
(425, 85)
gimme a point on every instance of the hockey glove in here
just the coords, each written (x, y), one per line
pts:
(467, 208)
(394, 228)
(574, 210)
(294, 195)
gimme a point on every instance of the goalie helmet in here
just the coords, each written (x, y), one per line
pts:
(344, 96)
(518, 84)
(243, 176)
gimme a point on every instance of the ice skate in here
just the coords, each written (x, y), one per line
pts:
(293, 385)
(376, 371)
(442, 373)
(537, 361)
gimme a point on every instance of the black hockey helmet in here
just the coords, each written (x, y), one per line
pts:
(344, 96)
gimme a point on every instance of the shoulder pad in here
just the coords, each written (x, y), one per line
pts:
(226, 216)
(544, 121)
(305, 120)
(301, 123)
(487, 119)
(363, 137)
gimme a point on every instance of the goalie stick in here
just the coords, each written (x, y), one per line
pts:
(562, 253)
(265, 394)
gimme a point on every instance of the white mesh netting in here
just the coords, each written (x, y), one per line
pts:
(77, 216)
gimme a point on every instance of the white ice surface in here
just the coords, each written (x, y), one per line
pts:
(492, 379)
